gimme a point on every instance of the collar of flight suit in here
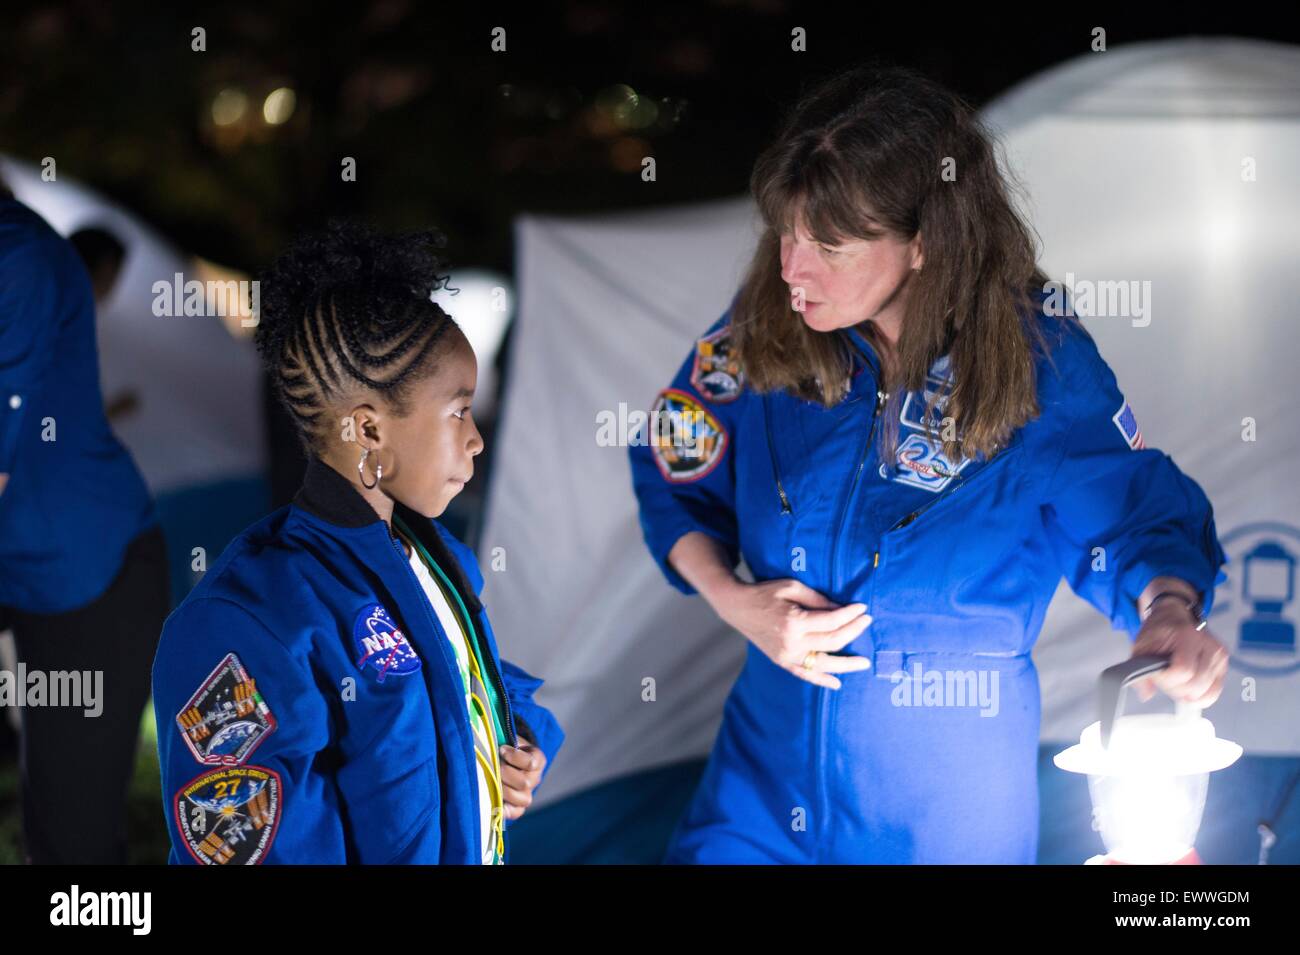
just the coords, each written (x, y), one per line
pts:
(330, 497)
(864, 356)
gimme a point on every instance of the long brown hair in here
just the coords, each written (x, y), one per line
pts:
(863, 155)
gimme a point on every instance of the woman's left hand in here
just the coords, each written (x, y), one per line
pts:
(1198, 662)
(521, 771)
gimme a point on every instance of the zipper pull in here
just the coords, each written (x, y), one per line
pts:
(905, 521)
(776, 472)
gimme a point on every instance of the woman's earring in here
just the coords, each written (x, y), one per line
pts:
(361, 469)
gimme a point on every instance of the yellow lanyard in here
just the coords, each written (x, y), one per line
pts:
(492, 767)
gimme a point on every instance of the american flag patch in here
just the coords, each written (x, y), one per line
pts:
(1128, 426)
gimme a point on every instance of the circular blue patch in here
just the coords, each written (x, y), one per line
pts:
(381, 646)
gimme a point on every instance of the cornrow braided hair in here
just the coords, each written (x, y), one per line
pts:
(347, 307)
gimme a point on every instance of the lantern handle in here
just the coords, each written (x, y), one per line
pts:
(1115, 679)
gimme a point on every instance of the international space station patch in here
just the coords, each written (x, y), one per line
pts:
(226, 718)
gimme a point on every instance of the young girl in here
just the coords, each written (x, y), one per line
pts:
(331, 690)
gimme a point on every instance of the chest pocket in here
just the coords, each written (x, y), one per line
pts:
(951, 572)
(973, 487)
(388, 805)
(387, 744)
(813, 449)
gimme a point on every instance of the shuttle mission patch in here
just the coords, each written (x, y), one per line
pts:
(229, 816)
(687, 440)
(226, 718)
(923, 466)
(716, 374)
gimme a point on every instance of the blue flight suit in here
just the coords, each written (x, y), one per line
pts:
(74, 501)
(957, 563)
(309, 704)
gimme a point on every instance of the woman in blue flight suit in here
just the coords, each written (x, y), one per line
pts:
(313, 703)
(908, 467)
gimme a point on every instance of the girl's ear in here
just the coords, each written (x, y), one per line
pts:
(368, 426)
(918, 253)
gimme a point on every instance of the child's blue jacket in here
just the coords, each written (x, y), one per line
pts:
(308, 702)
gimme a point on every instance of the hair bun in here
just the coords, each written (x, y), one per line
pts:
(349, 262)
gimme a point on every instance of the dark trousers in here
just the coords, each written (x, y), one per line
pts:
(76, 769)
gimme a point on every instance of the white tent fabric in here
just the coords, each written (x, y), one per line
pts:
(1136, 163)
(1133, 161)
(198, 418)
(607, 311)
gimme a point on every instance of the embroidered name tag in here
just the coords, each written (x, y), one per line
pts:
(937, 385)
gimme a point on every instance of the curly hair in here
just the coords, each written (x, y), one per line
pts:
(348, 308)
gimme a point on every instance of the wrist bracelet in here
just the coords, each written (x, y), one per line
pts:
(1194, 608)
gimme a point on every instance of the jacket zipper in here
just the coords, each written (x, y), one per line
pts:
(853, 486)
(487, 654)
(429, 614)
(771, 450)
(825, 698)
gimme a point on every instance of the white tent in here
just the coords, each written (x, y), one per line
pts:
(607, 311)
(1173, 163)
(1134, 162)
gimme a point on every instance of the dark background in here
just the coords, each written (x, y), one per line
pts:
(447, 132)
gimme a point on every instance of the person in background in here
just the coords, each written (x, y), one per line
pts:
(83, 572)
(103, 255)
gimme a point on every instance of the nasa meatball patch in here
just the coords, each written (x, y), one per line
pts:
(716, 374)
(229, 816)
(687, 440)
(226, 718)
(381, 646)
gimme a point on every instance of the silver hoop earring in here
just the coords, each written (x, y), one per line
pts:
(361, 469)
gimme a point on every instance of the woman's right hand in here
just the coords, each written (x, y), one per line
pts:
(789, 621)
(793, 624)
